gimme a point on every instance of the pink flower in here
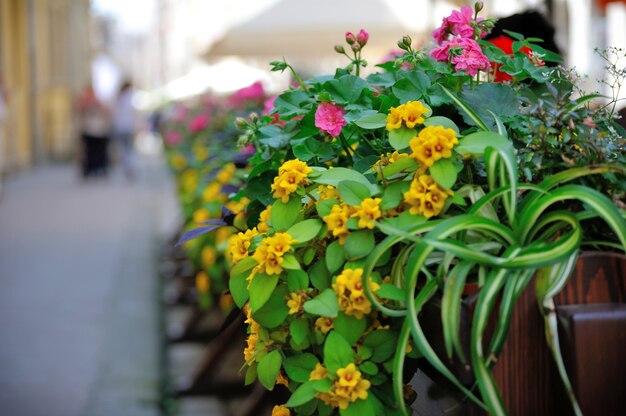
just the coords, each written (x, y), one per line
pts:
(329, 118)
(172, 137)
(268, 106)
(459, 23)
(362, 37)
(254, 92)
(464, 54)
(199, 123)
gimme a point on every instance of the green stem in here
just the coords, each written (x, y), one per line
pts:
(298, 79)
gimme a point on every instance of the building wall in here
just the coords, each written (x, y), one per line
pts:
(44, 61)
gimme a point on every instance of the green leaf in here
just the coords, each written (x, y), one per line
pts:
(319, 276)
(383, 344)
(297, 280)
(324, 304)
(361, 408)
(303, 394)
(364, 352)
(292, 103)
(324, 207)
(268, 369)
(250, 375)
(337, 352)
(491, 97)
(372, 121)
(369, 368)
(346, 89)
(353, 192)
(412, 87)
(290, 262)
(476, 120)
(238, 286)
(443, 172)
(442, 121)
(284, 215)
(299, 367)
(350, 327)
(261, 288)
(299, 330)
(335, 256)
(394, 194)
(275, 310)
(304, 231)
(359, 244)
(400, 138)
(391, 292)
(476, 143)
(406, 164)
(244, 265)
(335, 176)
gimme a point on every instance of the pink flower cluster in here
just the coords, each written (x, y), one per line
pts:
(329, 118)
(456, 42)
(268, 107)
(357, 42)
(199, 123)
(172, 138)
(254, 92)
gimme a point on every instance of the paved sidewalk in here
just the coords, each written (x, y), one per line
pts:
(79, 329)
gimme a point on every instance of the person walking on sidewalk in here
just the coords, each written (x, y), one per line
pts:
(124, 128)
(95, 125)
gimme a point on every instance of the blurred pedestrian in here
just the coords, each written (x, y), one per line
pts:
(125, 127)
(95, 125)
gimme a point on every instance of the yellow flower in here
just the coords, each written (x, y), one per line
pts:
(425, 196)
(394, 118)
(337, 222)
(226, 173)
(209, 255)
(414, 113)
(281, 379)
(269, 254)
(279, 243)
(237, 206)
(324, 324)
(433, 143)
(281, 410)
(201, 215)
(349, 289)
(250, 349)
(179, 162)
(222, 234)
(238, 245)
(389, 158)
(226, 302)
(327, 192)
(203, 284)
(189, 180)
(212, 192)
(368, 212)
(349, 387)
(319, 372)
(291, 174)
(411, 114)
(200, 153)
(295, 302)
(264, 217)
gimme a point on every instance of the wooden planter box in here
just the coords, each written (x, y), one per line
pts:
(592, 326)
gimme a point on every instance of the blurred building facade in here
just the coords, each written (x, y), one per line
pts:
(44, 63)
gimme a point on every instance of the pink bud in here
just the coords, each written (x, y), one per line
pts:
(362, 37)
(350, 38)
(356, 47)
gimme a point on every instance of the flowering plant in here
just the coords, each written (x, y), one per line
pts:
(367, 197)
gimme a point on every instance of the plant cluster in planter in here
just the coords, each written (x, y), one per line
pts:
(208, 167)
(369, 196)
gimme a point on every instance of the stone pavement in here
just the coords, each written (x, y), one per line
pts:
(79, 326)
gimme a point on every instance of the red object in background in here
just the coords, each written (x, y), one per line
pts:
(602, 3)
(506, 44)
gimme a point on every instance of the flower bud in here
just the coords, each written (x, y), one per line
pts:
(356, 47)
(362, 37)
(254, 117)
(241, 123)
(407, 40)
(339, 49)
(478, 6)
(402, 45)
(350, 38)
